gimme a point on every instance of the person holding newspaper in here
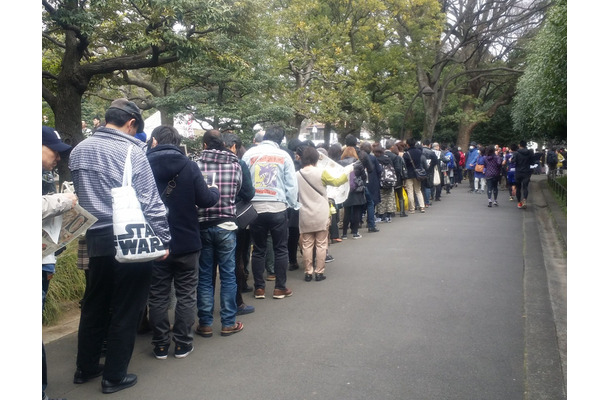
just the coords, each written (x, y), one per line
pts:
(53, 205)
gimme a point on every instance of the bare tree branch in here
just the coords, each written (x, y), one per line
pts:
(53, 40)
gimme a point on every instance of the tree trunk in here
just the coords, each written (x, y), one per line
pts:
(295, 127)
(327, 129)
(68, 123)
(71, 85)
(167, 118)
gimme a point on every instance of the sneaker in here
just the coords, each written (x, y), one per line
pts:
(373, 229)
(524, 203)
(259, 293)
(270, 277)
(388, 220)
(356, 236)
(293, 267)
(496, 203)
(247, 289)
(511, 198)
(281, 293)
(308, 277)
(320, 277)
(344, 237)
(229, 330)
(489, 205)
(378, 219)
(382, 219)
(205, 331)
(329, 258)
(245, 309)
(183, 350)
(520, 205)
(160, 351)
(423, 210)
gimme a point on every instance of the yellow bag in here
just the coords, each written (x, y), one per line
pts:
(404, 196)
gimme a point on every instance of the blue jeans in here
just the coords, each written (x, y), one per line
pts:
(427, 194)
(218, 249)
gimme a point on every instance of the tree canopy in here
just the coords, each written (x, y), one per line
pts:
(541, 102)
(397, 67)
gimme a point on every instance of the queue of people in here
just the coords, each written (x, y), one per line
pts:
(192, 207)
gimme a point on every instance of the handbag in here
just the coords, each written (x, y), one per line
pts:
(245, 214)
(134, 239)
(356, 184)
(437, 178)
(420, 173)
(479, 168)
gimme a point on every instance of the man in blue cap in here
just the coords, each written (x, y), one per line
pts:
(53, 205)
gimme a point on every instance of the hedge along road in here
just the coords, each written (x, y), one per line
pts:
(451, 304)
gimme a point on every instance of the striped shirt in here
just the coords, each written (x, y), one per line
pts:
(97, 165)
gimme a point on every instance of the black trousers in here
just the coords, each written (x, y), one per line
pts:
(277, 225)
(111, 308)
(181, 271)
(351, 217)
(522, 182)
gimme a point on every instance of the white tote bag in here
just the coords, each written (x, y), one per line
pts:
(437, 178)
(134, 239)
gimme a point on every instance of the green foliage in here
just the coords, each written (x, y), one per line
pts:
(66, 287)
(498, 130)
(541, 101)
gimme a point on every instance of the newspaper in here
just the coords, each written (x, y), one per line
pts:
(337, 193)
(75, 222)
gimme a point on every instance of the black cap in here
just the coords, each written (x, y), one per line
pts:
(130, 108)
(51, 139)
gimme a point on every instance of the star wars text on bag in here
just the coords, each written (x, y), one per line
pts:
(138, 239)
(134, 239)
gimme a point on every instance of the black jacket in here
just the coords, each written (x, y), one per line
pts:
(412, 158)
(523, 158)
(191, 191)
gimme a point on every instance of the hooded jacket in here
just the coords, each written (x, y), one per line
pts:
(191, 191)
(523, 158)
(471, 160)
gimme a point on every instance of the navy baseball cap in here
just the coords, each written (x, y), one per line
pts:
(51, 139)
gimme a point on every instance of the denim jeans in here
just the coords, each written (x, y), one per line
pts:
(492, 187)
(218, 249)
(277, 225)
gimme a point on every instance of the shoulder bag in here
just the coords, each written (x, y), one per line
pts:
(134, 239)
(420, 173)
(245, 214)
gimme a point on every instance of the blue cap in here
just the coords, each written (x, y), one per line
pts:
(51, 139)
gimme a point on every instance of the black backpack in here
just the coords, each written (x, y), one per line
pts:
(551, 158)
(388, 176)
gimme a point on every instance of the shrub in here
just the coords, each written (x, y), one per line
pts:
(67, 286)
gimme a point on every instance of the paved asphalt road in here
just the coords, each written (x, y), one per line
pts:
(463, 302)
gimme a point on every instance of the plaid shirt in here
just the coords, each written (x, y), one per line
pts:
(223, 169)
(97, 165)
